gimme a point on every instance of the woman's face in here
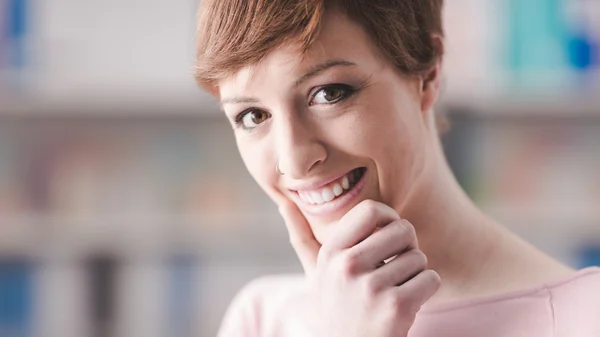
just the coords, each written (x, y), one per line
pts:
(342, 124)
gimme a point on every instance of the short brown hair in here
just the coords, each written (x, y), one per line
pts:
(236, 33)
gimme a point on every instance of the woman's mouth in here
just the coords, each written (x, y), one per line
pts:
(334, 195)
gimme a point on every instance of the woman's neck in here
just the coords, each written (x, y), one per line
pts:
(471, 252)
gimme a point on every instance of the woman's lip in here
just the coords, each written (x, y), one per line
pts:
(336, 204)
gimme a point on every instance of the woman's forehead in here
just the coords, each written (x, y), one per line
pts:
(338, 40)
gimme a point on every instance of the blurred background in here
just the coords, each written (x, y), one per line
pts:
(125, 209)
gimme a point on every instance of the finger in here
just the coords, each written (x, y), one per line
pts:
(360, 222)
(301, 236)
(399, 270)
(395, 238)
(418, 290)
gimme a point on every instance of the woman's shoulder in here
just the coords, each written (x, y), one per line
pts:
(560, 292)
(267, 292)
(261, 304)
(580, 277)
(273, 288)
(580, 291)
(576, 304)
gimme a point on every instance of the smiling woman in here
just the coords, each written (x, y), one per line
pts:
(332, 107)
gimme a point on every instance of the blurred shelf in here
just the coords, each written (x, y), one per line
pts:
(80, 66)
(216, 237)
(74, 61)
(551, 105)
(576, 218)
(151, 236)
(151, 104)
(200, 104)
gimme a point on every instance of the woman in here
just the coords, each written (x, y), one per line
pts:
(332, 107)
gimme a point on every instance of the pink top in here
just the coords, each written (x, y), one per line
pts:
(273, 307)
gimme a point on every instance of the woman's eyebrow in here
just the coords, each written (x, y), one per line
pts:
(316, 69)
(237, 100)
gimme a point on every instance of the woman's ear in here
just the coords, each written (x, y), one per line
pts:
(430, 83)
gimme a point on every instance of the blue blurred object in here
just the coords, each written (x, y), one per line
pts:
(589, 256)
(16, 286)
(182, 270)
(14, 22)
(4, 22)
(580, 52)
(17, 31)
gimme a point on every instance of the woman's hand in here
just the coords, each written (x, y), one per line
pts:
(353, 292)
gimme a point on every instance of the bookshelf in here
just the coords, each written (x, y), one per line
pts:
(115, 167)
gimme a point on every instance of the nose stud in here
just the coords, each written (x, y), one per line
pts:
(278, 170)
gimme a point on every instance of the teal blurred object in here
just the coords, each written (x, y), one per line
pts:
(536, 35)
(545, 42)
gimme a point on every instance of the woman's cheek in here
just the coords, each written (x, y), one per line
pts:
(256, 162)
(250, 160)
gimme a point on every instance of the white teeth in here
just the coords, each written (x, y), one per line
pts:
(327, 194)
(345, 183)
(306, 197)
(317, 197)
(337, 190)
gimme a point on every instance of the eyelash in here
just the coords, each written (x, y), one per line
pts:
(349, 92)
(240, 117)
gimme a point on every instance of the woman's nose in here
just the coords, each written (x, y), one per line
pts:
(299, 148)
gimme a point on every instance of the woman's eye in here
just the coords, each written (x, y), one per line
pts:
(253, 118)
(330, 94)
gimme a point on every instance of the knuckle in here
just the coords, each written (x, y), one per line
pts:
(396, 301)
(432, 277)
(369, 208)
(390, 316)
(399, 229)
(370, 211)
(368, 203)
(404, 305)
(409, 229)
(325, 254)
(411, 315)
(370, 288)
(419, 258)
(398, 304)
(349, 264)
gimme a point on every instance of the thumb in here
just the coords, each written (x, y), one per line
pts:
(301, 236)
